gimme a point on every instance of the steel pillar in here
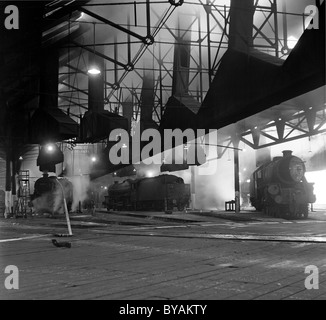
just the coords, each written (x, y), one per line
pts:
(237, 199)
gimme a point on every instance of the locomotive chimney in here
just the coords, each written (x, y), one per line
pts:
(287, 153)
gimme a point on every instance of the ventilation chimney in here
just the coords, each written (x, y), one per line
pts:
(48, 122)
(49, 79)
(241, 25)
(96, 84)
(147, 96)
(97, 123)
(180, 85)
(128, 112)
(181, 109)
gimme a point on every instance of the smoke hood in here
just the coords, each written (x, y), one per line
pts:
(51, 125)
(96, 126)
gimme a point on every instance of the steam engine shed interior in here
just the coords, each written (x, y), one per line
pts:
(154, 68)
(163, 149)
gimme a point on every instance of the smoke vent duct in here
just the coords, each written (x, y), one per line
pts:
(147, 100)
(49, 123)
(181, 109)
(96, 84)
(147, 96)
(128, 112)
(181, 68)
(261, 83)
(241, 25)
(97, 123)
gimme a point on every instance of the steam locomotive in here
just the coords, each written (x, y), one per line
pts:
(279, 188)
(162, 193)
(48, 195)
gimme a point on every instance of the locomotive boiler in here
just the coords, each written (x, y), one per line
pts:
(279, 188)
(162, 193)
(49, 192)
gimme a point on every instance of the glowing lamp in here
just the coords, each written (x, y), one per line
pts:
(94, 71)
(49, 148)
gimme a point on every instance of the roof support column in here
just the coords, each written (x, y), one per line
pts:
(236, 141)
(193, 187)
(8, 199)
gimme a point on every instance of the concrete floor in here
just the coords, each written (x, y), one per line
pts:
(147, 256)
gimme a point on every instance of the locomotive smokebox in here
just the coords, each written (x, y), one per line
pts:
(287, 153)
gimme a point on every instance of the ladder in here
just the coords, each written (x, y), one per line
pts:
(23, 193)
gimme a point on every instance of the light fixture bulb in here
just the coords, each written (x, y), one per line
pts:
(50, 148)
(94, 71)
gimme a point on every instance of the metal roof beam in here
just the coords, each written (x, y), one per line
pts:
(114, 25)
(74, 88)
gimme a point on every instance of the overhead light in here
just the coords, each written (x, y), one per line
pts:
(49, 147)
(20, 158)
(94, 159)
(94, 71)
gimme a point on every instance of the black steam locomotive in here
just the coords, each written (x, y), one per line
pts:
(279, 188)
(162, 193)
(48, 195)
